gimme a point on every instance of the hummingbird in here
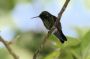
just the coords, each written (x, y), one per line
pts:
(49, 21)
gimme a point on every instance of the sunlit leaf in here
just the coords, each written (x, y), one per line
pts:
(85, 45)
(85, 40)
(65, 54)
(53, 55)
(56, 41)
(71, 42)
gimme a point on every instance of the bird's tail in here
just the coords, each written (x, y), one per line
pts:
(60, 36)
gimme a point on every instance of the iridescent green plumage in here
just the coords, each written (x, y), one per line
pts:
(49, 20)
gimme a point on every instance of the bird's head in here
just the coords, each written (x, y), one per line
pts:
(44, 15)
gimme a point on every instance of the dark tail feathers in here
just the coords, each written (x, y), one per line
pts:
(60, 36)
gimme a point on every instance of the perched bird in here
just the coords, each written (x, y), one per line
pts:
(49, 20)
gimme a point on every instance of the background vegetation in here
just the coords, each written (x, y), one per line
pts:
(25, 43)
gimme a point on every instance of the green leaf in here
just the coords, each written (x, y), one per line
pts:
(56, 41)
(71, 42)
(65, 54)
(85, 45)
(86, 40)
(53, 55)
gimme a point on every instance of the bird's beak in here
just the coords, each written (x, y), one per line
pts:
(34, 17)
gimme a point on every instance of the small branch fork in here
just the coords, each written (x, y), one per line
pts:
(52, 29)
(8, 48)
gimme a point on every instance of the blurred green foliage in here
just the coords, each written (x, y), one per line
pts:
(27, 43)
(74, 48)
(7, 5)
(3, 53)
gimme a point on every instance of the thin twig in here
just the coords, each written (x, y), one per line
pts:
(8, 48)
(52, 29)
(42, 44)
(63, 9)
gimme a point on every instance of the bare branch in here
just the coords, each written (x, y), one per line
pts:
(8, 48)
(42, 44)
(63, 9)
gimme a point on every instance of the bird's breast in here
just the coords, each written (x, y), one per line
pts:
(48, 23)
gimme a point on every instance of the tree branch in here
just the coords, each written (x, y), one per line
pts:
(42, 44)
(63, 9)
(8, 48)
